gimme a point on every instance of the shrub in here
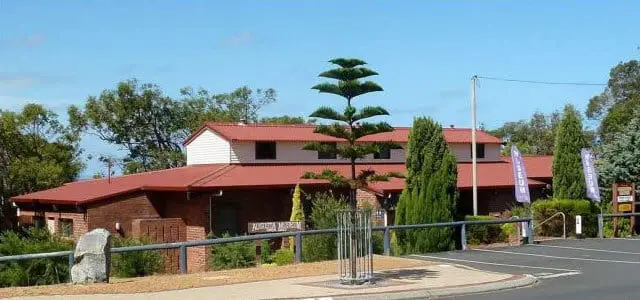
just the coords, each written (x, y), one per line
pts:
(266, 253)
(283, 257)
(33, 271)
(543, 209)
(484, 234)
(323, 216)
(522, 211)
(233, 255)
(136, 263)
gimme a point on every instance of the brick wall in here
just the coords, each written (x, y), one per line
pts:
(366, 197)
(122, 209)
(80, 222)
(162, 231)
(194, 213)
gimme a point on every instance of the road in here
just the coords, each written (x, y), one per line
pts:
(566, 269)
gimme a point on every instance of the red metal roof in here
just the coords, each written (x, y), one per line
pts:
(490, 175)
(304, 133)
(207, 177)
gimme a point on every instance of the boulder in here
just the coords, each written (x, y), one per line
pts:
(92, 257)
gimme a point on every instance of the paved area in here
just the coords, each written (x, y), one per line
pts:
(566, 269)
(421, 282)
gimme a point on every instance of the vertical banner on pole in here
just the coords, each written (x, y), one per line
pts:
(590, 175)
(519, 176)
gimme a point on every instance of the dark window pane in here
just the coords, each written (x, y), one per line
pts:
(328, 155)
(383, 154)
(66, 227)
(265, 150)
(38, 222)
(479, 150)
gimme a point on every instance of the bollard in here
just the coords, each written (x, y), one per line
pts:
(463, 236)
(71, 263)
(387, 241)
(298, 248)
(183, 259)
(600, 226)
(531, 233)
(579, 227)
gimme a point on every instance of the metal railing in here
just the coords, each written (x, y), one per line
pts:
(602, 216)
(564, 223)
(297, 235)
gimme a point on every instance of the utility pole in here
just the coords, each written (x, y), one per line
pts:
(474, 167)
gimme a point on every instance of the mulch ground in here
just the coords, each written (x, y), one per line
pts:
(173, 282)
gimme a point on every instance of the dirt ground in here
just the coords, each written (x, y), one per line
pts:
(173, 282)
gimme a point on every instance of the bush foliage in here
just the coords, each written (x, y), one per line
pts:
(283, 257)
(543, 209)
(323, 216)
(233, 255)
(33, 271)
(485, 234)
(134, 263)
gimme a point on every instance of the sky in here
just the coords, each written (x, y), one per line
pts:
(58, 53)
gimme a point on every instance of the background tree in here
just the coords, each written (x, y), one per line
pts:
(620, 158)
(350, 125)
(534, 136)
(430, 193)
(36, 153)
(286, 120)
(568, 177)
(151, 126)
(297, 212)
(615, 105)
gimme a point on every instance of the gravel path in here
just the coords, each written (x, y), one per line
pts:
(216, 278)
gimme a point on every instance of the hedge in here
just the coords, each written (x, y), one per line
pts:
(543, 209)
(485, 234)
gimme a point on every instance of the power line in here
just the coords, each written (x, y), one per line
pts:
(542, 82)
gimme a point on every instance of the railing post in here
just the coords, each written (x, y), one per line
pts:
(387, 241)
(463, 236)
(71, 263)
(600, 226)
(530, 230)
(183, 259)
(298, 239)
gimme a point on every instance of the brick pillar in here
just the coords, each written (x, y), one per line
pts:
(197, 256)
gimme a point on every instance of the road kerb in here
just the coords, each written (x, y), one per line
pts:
(516, 281)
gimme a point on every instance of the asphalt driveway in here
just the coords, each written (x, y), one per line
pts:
(566, 269)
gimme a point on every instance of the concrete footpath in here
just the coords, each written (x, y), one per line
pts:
(412, 283)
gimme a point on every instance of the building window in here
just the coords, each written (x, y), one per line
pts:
(66, 227)
(329, 155)
(479, 151)
(384, 153)
(265, 150)
(38, 222)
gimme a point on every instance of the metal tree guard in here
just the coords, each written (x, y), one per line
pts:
(355, 253)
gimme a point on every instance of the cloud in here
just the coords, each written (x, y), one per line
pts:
(16, 103)
(23, 42)
(237, 39)
(19, 80)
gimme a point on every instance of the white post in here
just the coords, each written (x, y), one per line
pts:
(579, 227)
(474, 166)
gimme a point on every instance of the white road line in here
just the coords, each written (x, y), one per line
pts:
(560, 257)
(625, 239)
(587, 249)
(494, 264)
(558, 275)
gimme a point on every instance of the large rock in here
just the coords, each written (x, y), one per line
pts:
(92, 257)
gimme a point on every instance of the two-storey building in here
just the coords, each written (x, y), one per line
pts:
(240, 173)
